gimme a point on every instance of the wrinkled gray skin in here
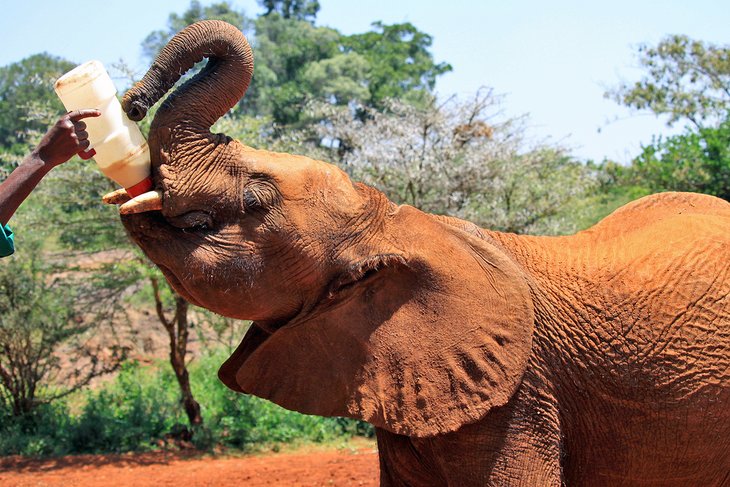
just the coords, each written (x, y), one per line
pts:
(481, 358)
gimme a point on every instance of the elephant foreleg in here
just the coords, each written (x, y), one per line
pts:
(515, 445)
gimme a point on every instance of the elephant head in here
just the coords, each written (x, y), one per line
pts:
(361, 308)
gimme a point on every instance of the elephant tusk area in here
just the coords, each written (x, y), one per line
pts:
(117, 197)
(149, 201)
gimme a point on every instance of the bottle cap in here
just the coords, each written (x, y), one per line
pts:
(139, 188)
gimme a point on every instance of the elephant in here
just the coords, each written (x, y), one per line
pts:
(480, 357)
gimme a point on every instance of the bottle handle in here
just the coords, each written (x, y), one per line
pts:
(87, 154)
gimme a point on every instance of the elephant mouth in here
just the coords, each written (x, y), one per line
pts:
(178, 286)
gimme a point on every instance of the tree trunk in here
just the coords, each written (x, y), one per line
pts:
(177, 331)
(177, 359)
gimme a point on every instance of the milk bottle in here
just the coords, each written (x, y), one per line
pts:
(122, 153)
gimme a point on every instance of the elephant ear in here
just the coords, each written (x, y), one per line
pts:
(434, 338)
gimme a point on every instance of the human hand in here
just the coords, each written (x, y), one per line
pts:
(67, 138)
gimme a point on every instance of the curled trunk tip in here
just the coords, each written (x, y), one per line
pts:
(217, 87)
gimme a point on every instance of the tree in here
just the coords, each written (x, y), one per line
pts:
(48, 330)
(685, 79)
(74, 198)
(298, 62)
(178, 330)
(51, 317)
(400, 64)
(698, 160)
(292, 9)
(456, 158)
(155, 41)
(70, 200)
(25, 95)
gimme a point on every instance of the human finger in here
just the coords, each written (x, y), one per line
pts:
(80, 125)
(85, 155)
(83, 113)
(83, 135)
(65, 123)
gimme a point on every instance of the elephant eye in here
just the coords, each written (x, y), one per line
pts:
(250, 200)
(260, 194)
(198, 221)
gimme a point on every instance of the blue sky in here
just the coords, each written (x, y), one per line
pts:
(553, 60)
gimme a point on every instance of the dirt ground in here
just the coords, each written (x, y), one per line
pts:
(309, 466)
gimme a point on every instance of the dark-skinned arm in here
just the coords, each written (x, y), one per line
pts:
(65, 139)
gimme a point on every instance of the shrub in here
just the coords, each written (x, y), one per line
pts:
(40, 432)
(134, 412)
(140, 410)
(242, 421)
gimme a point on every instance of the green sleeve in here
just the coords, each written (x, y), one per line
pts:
(7, 242)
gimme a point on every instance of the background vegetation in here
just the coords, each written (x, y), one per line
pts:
(76, 375)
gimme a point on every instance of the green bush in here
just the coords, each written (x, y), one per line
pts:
(140, 409)
(41, 432)
(133, 412)
(241, 421)
(697, 160)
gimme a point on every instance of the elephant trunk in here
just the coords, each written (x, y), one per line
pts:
(209, 94)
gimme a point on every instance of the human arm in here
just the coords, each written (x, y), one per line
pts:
(62, 141)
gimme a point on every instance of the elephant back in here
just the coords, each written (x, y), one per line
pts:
(657, 207)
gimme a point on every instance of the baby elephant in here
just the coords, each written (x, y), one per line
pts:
(482, 358)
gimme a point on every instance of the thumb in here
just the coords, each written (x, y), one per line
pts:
(85, 155)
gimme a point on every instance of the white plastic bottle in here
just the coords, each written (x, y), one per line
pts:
(122, 153)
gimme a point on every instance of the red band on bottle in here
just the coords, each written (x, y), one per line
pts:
(139, 188)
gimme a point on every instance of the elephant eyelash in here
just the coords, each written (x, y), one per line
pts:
(201, 228)
(250, 201)
(260, 194)
(193, 222)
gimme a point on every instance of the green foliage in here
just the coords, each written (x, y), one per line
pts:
(26, 97)
(242, 421)
(614, 187)
(39, 318)
(40, 432)
(140, 410)
(285, 49)
(253, 131)
(336, 78)
(70, 200)
(533, 188)
(292, 9)
(298, 62)
(685, 79)
(132, 413)
(698, 160)
(156, 40)
(400, 64)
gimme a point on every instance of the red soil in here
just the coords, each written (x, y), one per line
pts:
(311, 467)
